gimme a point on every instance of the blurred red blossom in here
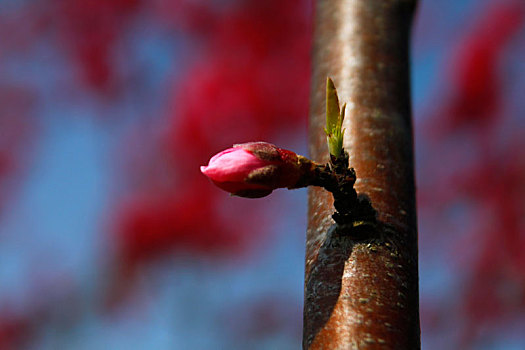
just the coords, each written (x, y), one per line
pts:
(17, 127)
(476, 70)
(90, 32)
(248, 79)
(497, 278)
(251, 77)
(152, 226)
(14, 330)
(484, 170)
(193, 16)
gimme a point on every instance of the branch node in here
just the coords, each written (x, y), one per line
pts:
(354, 215)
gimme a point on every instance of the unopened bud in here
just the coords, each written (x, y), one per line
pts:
(255, 169)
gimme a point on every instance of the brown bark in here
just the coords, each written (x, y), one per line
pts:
(363, 294)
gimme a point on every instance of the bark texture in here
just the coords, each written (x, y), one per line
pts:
(363, 294)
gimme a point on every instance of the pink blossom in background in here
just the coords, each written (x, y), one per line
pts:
(224, 98)
(477, 71)
(475, 197)
(16, 130)
(111, 237)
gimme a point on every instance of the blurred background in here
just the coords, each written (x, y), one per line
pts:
(110, 238)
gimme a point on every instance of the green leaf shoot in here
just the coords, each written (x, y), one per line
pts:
(334, 120)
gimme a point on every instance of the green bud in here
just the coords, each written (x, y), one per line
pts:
(334, 120)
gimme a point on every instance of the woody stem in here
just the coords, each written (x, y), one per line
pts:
(364, 293)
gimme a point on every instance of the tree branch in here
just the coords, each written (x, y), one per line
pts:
(362, 292)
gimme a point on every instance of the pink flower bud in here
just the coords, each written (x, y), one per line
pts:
(255, 169)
